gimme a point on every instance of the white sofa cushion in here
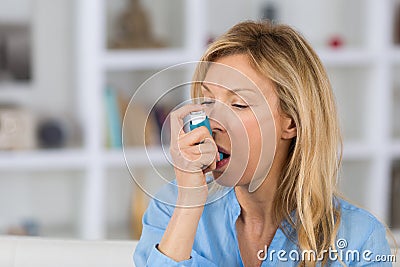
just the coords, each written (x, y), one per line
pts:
(39, 252)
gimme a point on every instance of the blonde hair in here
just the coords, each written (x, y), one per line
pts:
(306, 196)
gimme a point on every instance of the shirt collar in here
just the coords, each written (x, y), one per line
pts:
(280, 236)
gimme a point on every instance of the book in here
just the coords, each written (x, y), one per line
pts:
(139, 203)
(113, 117)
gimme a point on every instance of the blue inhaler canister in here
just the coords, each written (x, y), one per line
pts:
(198, 119)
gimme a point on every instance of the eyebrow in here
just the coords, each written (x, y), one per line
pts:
(235, 90)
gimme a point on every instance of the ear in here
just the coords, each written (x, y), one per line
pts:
(289, 129)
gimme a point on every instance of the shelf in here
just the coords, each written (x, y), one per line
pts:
(115, 158)
(146, 58)
(60, 231)
(42, 159)
(55, 231)
(345, 57)
(11, 92)
(76, 159)
(119, 232)
(14, 86)
(356, 151)
(159, 58)
(136, 156)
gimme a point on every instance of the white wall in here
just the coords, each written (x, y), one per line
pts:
(15, 10)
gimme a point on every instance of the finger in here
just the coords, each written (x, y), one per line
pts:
(199, 156)
(177, 116)
(208, 147)
(210, 168)
(198, 135)
(213, 164)
(213, 148)
(192, 160)
(194, 153)
(207, 161)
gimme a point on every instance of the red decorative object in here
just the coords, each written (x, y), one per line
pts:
(336, 41)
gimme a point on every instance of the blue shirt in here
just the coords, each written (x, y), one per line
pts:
(216, 244)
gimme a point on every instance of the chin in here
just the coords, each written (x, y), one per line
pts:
(226, 180)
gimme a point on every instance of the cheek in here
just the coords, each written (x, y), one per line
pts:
(252, 128)
(261, 132)
(254, 134)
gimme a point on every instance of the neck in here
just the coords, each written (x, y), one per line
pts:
(257, 206)
(256, 212)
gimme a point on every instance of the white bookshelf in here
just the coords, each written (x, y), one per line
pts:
(373, 55)
(369, 152)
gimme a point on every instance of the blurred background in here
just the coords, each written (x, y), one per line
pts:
(69, 67)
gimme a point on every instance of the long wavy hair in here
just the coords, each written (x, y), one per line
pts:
(307, 192)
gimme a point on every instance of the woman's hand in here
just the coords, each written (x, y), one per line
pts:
(193, 154)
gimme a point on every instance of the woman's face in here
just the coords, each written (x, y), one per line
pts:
(243, 110)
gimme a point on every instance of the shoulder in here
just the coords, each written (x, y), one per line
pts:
(161, 205)
(357, 219)
(359, 228)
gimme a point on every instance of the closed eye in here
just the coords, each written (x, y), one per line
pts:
(240, 106)
(207, 102)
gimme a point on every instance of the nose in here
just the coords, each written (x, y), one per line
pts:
(216, 126)
(217, 118)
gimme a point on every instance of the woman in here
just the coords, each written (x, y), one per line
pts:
(293, 216)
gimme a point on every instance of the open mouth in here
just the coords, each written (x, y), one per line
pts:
(224, 155)
(224, 158)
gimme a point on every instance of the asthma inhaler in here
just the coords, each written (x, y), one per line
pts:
(199, 118)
